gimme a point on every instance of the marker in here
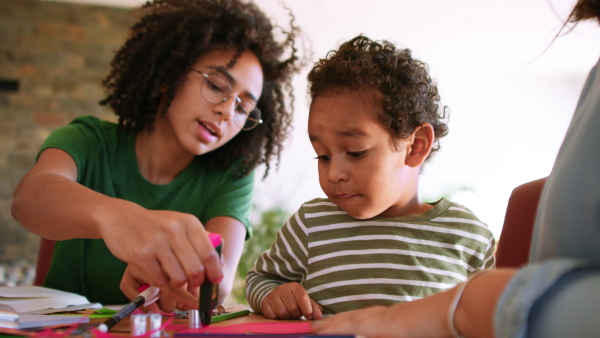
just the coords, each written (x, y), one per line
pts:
(148, 296)
(209, 292)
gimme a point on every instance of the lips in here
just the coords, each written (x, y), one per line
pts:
(344, 195)
(211, 128)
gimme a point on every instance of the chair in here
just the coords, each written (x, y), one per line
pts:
(43, 262)
(515, 238)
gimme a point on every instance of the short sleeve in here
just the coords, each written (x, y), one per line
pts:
(74, 139)
(530, 285)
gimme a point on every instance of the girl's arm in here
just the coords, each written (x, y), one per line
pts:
(233, 233)
(165, 247)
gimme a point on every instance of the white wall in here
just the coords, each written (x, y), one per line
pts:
(511, 99)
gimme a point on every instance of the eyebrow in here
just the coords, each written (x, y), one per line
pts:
(349, 133)
(232, 80)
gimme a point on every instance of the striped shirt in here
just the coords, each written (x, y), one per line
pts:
(346, 263)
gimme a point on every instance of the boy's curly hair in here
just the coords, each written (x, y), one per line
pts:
(169, 38)
(410, 96)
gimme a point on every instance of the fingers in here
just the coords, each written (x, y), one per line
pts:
(212, 266)
(174, 251)
(287, 301)
(184, 255)
(165, 269)
(155, 308)
(181, 296)
(317, 310)
(302, 305)
(129, 283)
(165, 303)
(338, 324)
(194, 258)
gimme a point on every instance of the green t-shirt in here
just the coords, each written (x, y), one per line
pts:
(106, 163)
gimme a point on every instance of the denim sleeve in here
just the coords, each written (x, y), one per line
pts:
(549, 294)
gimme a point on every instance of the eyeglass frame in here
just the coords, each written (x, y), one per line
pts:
(238, 100)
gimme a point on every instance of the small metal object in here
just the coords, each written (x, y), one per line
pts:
(146, 323)
(194, 319)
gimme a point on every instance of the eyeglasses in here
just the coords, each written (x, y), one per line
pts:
(216, 90)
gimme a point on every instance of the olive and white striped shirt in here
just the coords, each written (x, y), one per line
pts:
(346, 263)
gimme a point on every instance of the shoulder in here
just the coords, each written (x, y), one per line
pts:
(462, 218)
(87, 128)
(82, 135)
(454, 209)
(319, 206)
(93, 122)
(321, 212)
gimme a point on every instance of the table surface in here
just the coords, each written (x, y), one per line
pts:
(123, 327)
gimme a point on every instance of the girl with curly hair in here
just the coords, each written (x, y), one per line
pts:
(203, 96)
(373, 122)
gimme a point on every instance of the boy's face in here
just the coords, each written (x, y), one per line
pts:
(360, 169)
(200, 126)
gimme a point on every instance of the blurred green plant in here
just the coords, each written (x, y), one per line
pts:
(264, 233)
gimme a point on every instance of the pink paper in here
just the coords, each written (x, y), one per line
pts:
(264, 328)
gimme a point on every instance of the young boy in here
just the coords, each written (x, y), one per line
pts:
(374, 120)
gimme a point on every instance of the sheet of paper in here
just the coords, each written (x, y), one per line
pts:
(255, 328)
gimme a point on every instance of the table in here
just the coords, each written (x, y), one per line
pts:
(123, 327)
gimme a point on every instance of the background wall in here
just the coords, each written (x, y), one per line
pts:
(511, 91)
(511, 99)
(57, 54)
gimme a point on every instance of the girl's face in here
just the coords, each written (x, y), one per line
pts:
(360, 169)
(200, 126)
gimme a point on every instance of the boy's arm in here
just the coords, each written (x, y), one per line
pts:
(489, 261)
(284, 262)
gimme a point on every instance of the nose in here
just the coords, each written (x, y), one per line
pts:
(227, 107)
(337, 171)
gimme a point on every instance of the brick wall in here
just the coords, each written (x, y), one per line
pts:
(56, 54)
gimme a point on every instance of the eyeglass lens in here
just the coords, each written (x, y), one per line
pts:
(216, 90)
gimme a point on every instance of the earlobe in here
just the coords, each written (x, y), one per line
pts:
(163, 88)
(422, 141)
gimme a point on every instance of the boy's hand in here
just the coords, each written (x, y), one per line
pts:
(290, 300)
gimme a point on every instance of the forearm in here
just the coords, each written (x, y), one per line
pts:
(55, 207)
(474, 315)
(257, 288)
(233, 234)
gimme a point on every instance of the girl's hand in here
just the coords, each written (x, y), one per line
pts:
(290, 300)
(130, 285)
(166, 249)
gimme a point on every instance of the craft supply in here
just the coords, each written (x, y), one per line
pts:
(194, 319)
(147, 297)
(209, 292)
(146, 324)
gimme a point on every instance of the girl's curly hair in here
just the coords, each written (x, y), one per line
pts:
(584, 10)
(410, 96)
(169, 38)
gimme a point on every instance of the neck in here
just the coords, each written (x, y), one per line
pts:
(160, 156)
